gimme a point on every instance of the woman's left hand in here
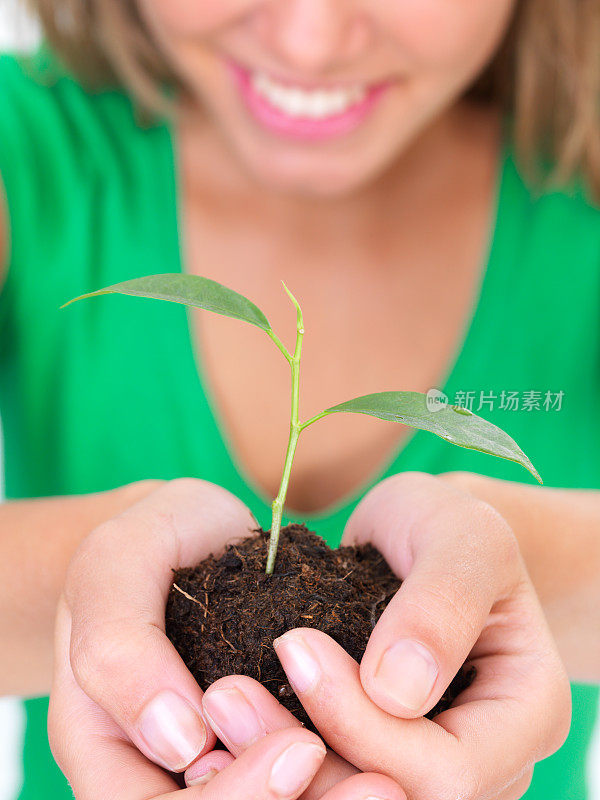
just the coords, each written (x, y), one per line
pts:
(466, 595)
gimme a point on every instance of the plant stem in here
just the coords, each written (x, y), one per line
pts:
(280, 345)
(295, 430)
(310, 421)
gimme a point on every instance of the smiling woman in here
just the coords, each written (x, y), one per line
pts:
(420, 174)
(539, 46)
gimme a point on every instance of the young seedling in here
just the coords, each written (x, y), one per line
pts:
(452, 423)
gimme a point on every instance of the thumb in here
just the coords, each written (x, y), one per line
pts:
(456, 557)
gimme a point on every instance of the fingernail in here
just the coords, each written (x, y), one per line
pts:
(406, 673)
(203, 778)
(298, 661)
(233, 718)
(173, 731)
(295, 768)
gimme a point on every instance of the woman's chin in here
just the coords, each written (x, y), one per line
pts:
(306, 171)
(308, 180)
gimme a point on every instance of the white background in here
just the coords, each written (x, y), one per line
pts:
(18, 32)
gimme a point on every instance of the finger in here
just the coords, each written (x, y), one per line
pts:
(326, 680)
(241, 711)
(456, 557)
(279, 766)
(367, 786)
(206, 767)
(116, 590)
(97, 759)
(514, 709)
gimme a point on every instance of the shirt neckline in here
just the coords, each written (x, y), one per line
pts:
(415, 449)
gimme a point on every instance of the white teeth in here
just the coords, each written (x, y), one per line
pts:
(313, 104)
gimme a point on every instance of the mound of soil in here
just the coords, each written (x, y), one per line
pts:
(223, 615)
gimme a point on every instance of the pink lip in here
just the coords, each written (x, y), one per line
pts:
(306, 129)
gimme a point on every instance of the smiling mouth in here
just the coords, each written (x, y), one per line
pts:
(307, 104)
(298, 112)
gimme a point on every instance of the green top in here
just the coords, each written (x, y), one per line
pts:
(108, 391)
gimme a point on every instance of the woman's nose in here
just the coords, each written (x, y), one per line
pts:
(315, 37)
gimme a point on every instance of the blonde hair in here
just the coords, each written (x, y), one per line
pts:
(545, 76)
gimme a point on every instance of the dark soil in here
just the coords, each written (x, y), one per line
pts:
(233, 612)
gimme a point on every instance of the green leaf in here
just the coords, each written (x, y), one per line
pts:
(190, 290)
(452, 423)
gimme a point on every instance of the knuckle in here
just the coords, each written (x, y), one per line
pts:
(414, 482)
(207, 495)
(196, 489)
(192, 494)
(499, 541)
(232, 506)
(447, 611)
(468, 483)
(103, 536)
(509, 552)
(403, 493)
(495, 536)
(459, 479)
(100, 657)
(404, 484)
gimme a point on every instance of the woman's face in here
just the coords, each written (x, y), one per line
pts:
(317, 97)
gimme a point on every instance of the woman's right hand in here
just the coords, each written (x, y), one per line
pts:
(114, 607)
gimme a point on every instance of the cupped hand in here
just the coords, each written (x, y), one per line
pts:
(465, 595)
(115, 595)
